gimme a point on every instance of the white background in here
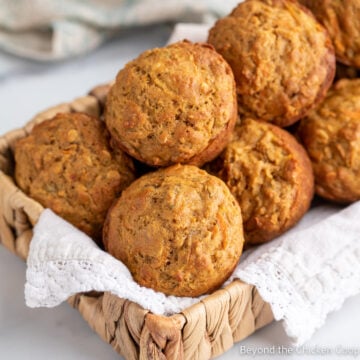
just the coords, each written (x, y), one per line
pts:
(26, 88)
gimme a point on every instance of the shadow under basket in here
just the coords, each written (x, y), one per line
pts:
(202, 331)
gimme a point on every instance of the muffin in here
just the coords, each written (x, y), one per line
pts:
(178, 230)
(342, 20)
(67, 165)
(175, 104)
(270, 175)
(331, 136)
(282, 58)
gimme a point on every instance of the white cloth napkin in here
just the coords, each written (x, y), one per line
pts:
(304, 274)
(57, 29)
(309, 271)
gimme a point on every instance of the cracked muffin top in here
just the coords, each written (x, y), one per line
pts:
(175, 104)
(67, 165)
(331, 136)
(281, 56)
(270, 175)
(178, 230)
(342, 21)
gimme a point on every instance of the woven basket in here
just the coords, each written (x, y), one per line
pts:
(202, 331)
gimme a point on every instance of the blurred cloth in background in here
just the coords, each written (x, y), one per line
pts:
(59, 29)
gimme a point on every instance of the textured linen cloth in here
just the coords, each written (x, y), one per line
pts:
(304, 275)
(58, 29)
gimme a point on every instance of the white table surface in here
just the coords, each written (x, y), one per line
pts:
(60, 333)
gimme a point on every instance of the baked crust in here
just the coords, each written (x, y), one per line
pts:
(175, 104)
(178, 230)
(331, 136)
(282, 58)
(270, 175)
(67, 165)
(342, 21)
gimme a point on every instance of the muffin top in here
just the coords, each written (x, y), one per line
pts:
(178, 230)
(331, 136)
(270, 175)
(342, 21)
(175, 104)
(67, 165)
(282, 58)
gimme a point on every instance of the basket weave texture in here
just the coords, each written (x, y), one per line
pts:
(202, 331)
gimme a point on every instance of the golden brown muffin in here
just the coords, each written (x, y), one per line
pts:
(282, 58)
(175, 104)
(331, 136)
(270, 175)
(342, 20)
(67, 165)
(178, 230)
